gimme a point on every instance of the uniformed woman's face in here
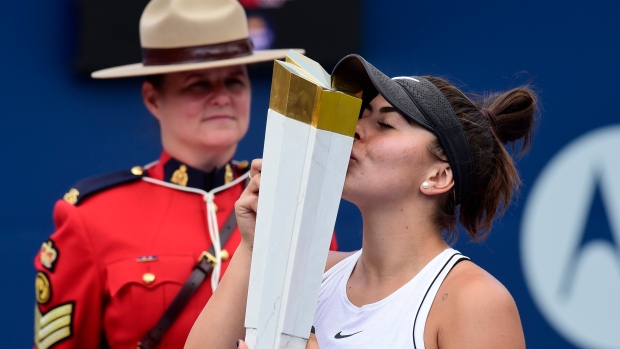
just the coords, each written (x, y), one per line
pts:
(205, 110)
(390, 157)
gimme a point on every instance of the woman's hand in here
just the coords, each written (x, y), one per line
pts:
(247, 205)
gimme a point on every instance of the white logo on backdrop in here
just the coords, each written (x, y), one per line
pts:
(570, 240)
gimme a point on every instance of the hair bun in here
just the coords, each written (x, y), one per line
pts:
(512, 115)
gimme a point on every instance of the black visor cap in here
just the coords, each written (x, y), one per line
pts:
(420, 101)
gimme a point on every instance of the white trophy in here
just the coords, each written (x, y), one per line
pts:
(308, 140)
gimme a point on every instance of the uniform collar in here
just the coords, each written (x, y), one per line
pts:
(174, 171)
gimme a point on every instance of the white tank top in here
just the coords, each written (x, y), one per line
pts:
(396, 321)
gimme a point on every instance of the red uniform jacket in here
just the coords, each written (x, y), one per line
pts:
(122, 250)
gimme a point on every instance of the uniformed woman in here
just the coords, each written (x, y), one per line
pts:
(126, 263)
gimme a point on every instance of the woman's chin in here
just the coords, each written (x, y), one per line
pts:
(220, 141)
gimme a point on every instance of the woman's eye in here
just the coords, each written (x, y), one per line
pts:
(199, 85)
(235, 83)
(383, 124)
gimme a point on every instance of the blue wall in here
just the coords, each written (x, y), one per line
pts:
(59, 128)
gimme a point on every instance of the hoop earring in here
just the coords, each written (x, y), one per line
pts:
(425, 185)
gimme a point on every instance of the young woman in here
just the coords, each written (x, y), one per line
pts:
(425, 157)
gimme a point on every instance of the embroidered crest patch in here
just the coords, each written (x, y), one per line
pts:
(180, 176)
(48, 254)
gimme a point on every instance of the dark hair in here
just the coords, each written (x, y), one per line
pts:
(156, 80)
(493, 121)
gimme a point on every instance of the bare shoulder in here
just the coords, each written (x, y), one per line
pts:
(335, 257)
(474, 310)
(475, 284)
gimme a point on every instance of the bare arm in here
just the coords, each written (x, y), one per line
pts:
(221, 322)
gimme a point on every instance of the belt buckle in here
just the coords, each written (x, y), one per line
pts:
(209, 257)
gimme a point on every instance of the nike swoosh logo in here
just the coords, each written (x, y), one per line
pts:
(340, 336)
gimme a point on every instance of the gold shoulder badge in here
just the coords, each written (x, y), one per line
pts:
(48, 254)
(43, 290)
(228, 174)
(53, 326)
(72, 196)
(180, 176)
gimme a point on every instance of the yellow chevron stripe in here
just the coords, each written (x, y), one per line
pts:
(55, 313)
(53, 326)
(54, 337)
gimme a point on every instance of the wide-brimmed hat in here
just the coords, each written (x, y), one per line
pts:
(181, 35)
(419, 100)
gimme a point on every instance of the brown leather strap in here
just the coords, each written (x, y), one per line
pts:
(200, 272)
(205, 53)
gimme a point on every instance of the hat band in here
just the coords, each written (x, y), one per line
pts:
(204, 53)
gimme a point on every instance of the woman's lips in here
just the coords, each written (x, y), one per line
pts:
(218, 117)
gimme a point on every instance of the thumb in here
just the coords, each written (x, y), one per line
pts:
(312, 342)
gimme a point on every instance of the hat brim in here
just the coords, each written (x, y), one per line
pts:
(373, 82)
(139, 69)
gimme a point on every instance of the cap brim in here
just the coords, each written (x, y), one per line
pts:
(372, 82)
(139, 69)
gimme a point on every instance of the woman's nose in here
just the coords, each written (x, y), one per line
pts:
(359, 131)
(220, 96)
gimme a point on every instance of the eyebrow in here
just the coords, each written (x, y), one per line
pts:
(236, 72)
(389, 109)
(193, 76)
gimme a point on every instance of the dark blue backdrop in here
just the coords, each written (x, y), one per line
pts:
(58, 128)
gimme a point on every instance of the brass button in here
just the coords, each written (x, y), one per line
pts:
(42, 287)
(243, 165)
(225, 255)
(148, 278)
(137, 170)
